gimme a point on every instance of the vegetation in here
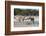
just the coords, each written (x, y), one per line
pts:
(18, 11)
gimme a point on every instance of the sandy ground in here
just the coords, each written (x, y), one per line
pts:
(34, 23)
